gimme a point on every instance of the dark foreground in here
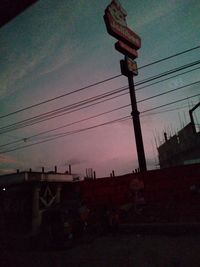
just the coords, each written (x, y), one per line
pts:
(119, 249)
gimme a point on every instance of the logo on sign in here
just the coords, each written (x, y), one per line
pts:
(115, 19)
(118, 13)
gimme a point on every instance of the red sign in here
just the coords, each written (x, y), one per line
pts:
(126, 50)
(115, 19)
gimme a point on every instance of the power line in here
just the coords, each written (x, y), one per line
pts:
(168, 72)
(63, 126)
(52, 114)
(169, 57)
(174, 102)
(164, 111)
(166, 79)
(169, 91)
(95, 84)
(123, 88)
(61, 96)
(36, 119)
(95, 126)
(125, 106)
(98, 115)
(68, 112)
(68, 133)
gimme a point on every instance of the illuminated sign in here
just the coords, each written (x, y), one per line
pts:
(115, 20)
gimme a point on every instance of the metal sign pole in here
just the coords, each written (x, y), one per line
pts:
(136, 124)
(128, 44)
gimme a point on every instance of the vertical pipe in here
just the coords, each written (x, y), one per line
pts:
(165, 136)
(58, 193)
(70, 169)
(192, 121)
(35, 210)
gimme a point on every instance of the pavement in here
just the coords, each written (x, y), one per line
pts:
(117, 250)
(127, 247)
(161, 228)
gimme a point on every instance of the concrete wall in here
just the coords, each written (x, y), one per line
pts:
(180, 148)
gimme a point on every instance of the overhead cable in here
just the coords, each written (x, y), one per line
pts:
(100, 114)
(95, 126)
(97, 83)
(62, 111)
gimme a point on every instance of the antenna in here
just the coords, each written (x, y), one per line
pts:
(154, 153)
(197, 122)
(185, 120)
(158, 138)
(172, 130)
(179, 116)
(154, 135)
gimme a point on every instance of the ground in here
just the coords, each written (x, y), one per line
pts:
(117, 250)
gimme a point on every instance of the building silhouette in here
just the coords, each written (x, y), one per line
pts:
(181, 148)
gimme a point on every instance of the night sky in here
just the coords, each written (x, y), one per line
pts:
(56, 47)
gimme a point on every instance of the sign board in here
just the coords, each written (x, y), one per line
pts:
(126, 50)
(132, 66)
(128, 67)
(115, 20)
